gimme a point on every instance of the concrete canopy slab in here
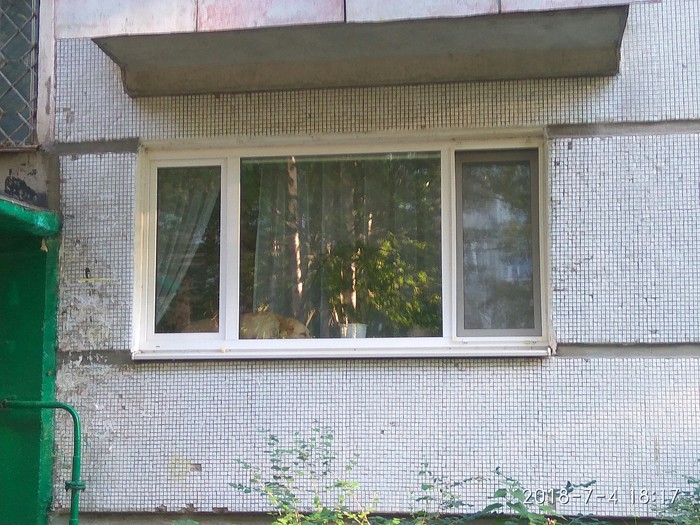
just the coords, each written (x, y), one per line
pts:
(508, 6)
(581, 42)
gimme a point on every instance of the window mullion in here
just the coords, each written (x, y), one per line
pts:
(231, 251)
(448, 214)
(148, 314)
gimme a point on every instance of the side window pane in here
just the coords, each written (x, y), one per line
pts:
(341, 246)
(497, 202)
(187, 249)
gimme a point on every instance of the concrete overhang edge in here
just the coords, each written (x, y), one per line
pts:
(542, 44)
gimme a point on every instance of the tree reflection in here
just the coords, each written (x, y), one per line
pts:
(498, 245)
(351, 239)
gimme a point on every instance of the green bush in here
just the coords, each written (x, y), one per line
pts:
(299, 485)
(684, 509)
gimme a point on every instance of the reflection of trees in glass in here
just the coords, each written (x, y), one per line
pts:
(368, 231)
(498, 244)
(379, 285)
(187, 249)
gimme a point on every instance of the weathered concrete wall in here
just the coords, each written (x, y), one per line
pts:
(97, 275)
(624, 172)
(30, 177)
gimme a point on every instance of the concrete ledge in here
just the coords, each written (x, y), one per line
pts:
(89, 148)
(623, 129)
(628, 351)
(579, 42)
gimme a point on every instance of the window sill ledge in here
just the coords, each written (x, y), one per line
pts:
(407, 351)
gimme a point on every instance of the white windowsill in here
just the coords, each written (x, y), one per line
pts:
(343, 349)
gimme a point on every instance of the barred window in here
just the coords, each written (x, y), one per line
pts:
(19, 30)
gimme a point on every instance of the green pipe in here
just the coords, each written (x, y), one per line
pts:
(74, 485)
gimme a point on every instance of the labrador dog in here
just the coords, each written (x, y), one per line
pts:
(268, 325)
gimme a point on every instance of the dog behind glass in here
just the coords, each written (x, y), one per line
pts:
(268, 325)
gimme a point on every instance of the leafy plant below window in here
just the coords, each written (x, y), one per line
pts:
(298, 482)
(684, 509)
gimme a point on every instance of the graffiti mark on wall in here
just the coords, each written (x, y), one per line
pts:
(21, 185)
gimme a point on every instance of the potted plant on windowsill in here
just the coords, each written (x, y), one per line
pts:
(375, 286)
(348, 288)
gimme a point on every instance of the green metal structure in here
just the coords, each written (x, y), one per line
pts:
(28, 305)
(74, 485)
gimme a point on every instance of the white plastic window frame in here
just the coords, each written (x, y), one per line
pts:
(226, 345)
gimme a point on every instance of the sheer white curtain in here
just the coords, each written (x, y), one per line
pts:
(334, 236)
(304, 212)
(186, 200)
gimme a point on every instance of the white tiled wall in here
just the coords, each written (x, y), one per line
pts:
(624, 213)
(167, 436)
(625, 217)
(658, 81)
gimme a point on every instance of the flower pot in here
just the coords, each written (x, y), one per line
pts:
(353, 330)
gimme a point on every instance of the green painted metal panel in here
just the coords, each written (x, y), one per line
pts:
(18, 219)
(48, 372)
(28, 267)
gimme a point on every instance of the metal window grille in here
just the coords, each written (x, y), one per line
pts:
(19, 30)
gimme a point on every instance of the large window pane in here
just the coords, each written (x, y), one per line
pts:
(338, 241)
(187, 249)
(497, 207)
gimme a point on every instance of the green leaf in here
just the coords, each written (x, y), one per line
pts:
(518, 495)
(520, 508)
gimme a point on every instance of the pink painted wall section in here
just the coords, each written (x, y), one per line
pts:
(95, 18)
(91, 18)
(241, 14)
(378, 11)
(509, 6)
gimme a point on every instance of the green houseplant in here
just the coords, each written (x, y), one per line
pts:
(347, 268)
(377, 286)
